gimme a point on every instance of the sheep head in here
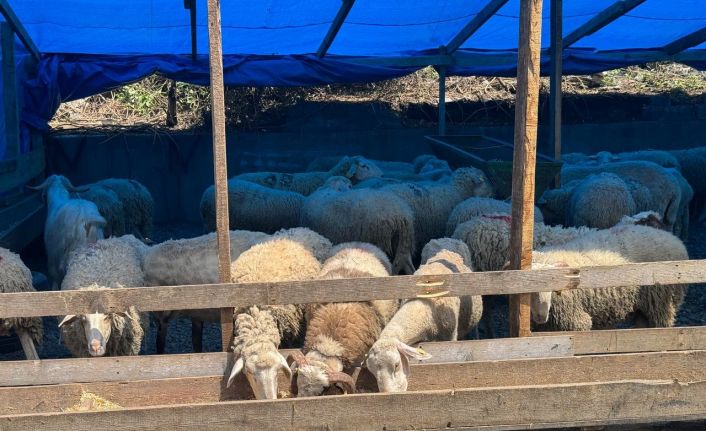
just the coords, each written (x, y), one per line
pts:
(356, 168)
(255, 346)
(541, 302)
(388, 361)
(473, 182)
(317, 374)
(337, 183)
(97, 327)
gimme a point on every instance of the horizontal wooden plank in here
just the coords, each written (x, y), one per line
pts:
(86, 370)
(681, 366)
(522, 407)
(635, 340)
(358, 289)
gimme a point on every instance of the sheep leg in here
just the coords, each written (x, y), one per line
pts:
(197, 335)
(162, 325)
(27, 344)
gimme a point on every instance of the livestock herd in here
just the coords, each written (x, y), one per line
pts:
(352, 217)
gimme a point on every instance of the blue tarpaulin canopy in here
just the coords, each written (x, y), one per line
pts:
(91, 46)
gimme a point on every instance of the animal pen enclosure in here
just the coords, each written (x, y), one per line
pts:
(540, 380)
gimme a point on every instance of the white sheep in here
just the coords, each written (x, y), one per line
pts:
(190, 262)
(355, 168)
(339, 335)
(372, 216)
(15, 277)
(664, 195)
(134, 210)
(275, 259)
(693, 165)
(253, 207)
(70, 224)
(422, 319)
(432, 203)
(109, 263)
(585, 309)
(477, 206)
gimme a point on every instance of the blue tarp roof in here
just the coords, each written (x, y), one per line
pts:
(91, 46)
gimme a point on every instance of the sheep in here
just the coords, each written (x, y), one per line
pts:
(15, 277)
(598, 201)
(356, 168)
(377, 183)
(585, 309)
(477, 206)
(421, 319)
(275, 259)
(320, 246)
(136, 202)
(70, 224)
(662, 158)
(110, 207)
(372, 216)
(488, 237)
(109, 263)
(664, 189)
(681, 227)
(253, 207)
(432, 203)
(339, 335)
(188, 262)
(693, 164)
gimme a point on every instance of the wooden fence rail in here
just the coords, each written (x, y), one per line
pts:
(359, 289)
(681, 366)
(495, 408)
(116, 369)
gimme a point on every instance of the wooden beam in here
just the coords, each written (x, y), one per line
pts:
(477, 22)
(220, 162)
(681, 366)
(441, 70)
(343, 11)
(683, 43)
(549, 345)
(507, 408)
(18, 28)
(634, 340)
(525, 156)
(602, 19)
(9, 88)
(555, 93)
(37, 304)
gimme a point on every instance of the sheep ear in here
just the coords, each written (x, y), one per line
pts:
(285, 367)
(237, 368)
(412, 352)
(124, 314)
(67, 319)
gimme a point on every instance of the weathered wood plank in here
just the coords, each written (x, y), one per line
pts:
(359, 289)
(635, 340)
(525, 156)
(220, 162)
(509, 407)
(82, 370)
(681, 366)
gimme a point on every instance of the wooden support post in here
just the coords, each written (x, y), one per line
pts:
(220, 165)
(9, 88)
(555, 92)
(171, 104)
(441, 70)
(525, 155)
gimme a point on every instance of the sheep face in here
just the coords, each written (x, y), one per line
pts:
(261, 371)
(363, 169)
(541, 304)
(388, 361)
(337, 183)
(97, 328)
(311, 381)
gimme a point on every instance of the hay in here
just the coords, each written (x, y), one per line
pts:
(92, 402)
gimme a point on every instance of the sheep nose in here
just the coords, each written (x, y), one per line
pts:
(95, 346)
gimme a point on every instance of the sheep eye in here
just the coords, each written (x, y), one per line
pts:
(397, 367)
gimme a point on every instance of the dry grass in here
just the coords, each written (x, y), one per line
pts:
(92, 402)
(145, 102)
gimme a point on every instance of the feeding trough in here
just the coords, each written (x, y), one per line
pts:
(494, 157)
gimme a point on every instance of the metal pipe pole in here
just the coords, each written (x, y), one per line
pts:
(555, 92)
(442, 99)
